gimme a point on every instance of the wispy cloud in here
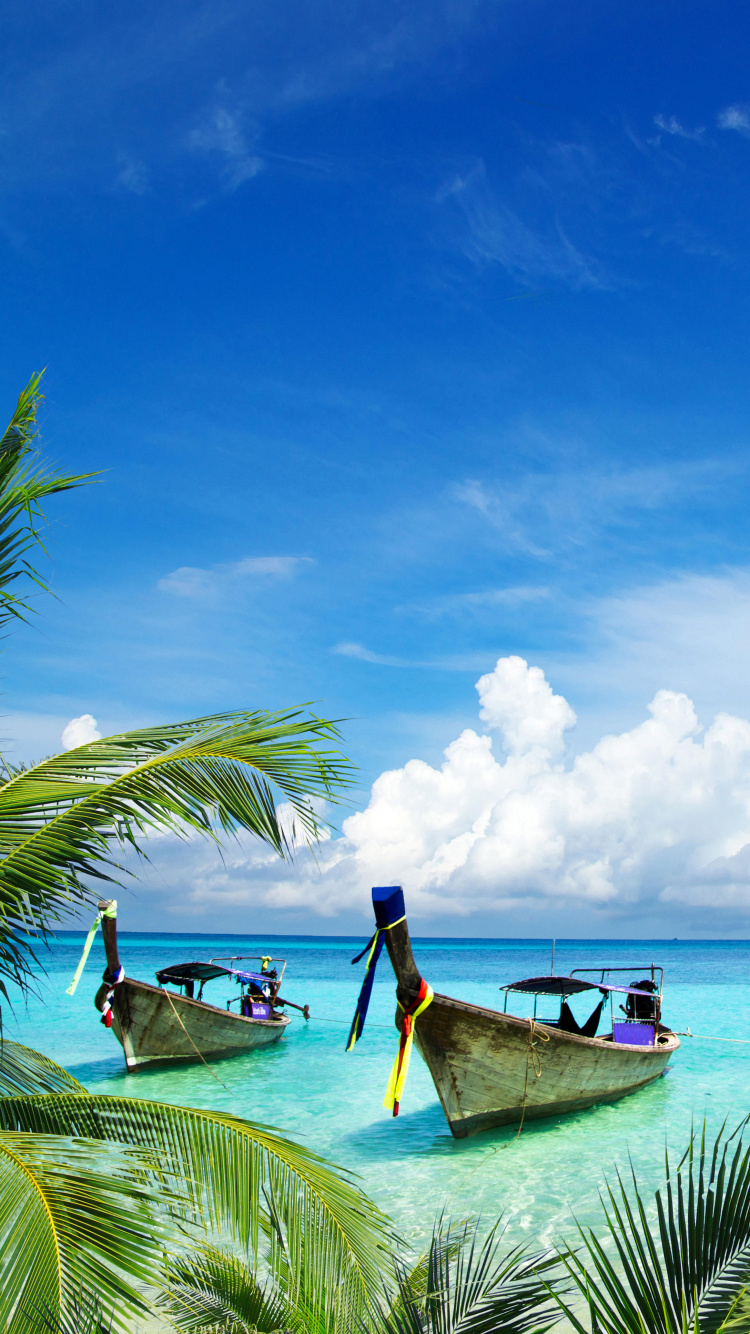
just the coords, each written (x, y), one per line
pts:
(487, 600)
(671, 125)
(222, 133)
(457, 662)
(736, 117)
(350, 650)
(495, 233)
(132, 175)
(190, 581)
(544, 512)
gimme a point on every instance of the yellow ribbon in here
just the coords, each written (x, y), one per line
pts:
(111, 911)
(401, 1064)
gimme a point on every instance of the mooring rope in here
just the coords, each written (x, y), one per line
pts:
(702, 1037)
(535, 1057)
(195, 1049)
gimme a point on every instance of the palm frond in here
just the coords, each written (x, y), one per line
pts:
(464, 1286)
(24, 483)
(689, 1264)
(215, 775)
(85, 1314)
(213, 1288)
(247, 1181)
(78, 1215)
(738, 1318)
(23, 1070)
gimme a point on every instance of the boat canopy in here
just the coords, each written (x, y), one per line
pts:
(567, 986)
(180, 973)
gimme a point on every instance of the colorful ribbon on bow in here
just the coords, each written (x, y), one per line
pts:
(111, 911)
(375, 946)
(401, 1064)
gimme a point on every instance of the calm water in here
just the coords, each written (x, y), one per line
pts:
(310, 1088)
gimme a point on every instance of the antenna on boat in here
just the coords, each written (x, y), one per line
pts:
(552, 965)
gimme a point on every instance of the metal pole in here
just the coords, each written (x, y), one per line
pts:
(552, 965)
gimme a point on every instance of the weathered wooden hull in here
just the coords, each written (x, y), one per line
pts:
(156, 1026)
(487, 1074)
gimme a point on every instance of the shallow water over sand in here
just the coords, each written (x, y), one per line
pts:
(332, 1101)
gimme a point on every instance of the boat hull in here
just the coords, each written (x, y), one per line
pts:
(487, 1072)
(159, 1027)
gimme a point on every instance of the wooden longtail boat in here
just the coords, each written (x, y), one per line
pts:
(491, 1068)
(157, 1025)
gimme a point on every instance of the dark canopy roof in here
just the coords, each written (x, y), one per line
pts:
(551, 986)
(180, 973)
(191, 972)
(567, 986)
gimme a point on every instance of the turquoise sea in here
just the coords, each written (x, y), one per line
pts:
(314, 1091)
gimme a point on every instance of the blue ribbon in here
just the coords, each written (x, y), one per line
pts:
(389, 911)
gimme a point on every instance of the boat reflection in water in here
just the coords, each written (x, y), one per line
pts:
(170, 1022)
(492, 1068)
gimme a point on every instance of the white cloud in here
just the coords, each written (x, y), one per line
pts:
(132, 176)
(543, 512)
(736, 117)
(352, 650)
(671, 125)
(496, 233)
(191, 581)
(457, 662)
(485, 600)
(653, 820)
(222, 133)
(79, 731)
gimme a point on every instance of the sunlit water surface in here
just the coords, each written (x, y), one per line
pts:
(314, 1091)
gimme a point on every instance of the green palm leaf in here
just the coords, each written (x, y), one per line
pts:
(270, 1195)
(23, 1070)
(688, 1267)
(463, 1286)
(78, 1215)
(214, 1288)
(215, 775)
(84, 1315)
(24, 482)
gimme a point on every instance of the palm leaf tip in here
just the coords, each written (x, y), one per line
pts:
(687, 1266)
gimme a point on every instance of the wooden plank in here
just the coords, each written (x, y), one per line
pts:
(145, 1023)
(486, 1074)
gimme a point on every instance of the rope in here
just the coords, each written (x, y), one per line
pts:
(317, 1019)
(702, 1038)
(534, 1056)
(192, 1044)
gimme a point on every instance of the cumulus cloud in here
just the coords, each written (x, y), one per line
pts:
(653, 819)
(190, 581)
(79, 731)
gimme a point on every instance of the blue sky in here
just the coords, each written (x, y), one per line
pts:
(408, 337)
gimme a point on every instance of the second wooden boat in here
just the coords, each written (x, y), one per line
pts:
(491, 1068)
(167, 1023)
